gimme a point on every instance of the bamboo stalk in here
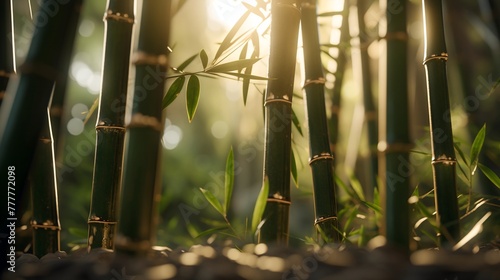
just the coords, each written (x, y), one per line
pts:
(141, 178)
(321, 159)
(361, 65)
(45, 221)
(25, 107)
(7, 59)
(278, 119)
(443, 153)
(336, 92)
(395, 141)
(110, 127)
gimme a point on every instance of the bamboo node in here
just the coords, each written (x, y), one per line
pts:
(104, 126)
(443, 159)
(283, 99)
(441, 56)
(140, 120)
(45, 227)
(324, 219)
(143, 58)
(322, 156)
(318, 81)
(118, 17)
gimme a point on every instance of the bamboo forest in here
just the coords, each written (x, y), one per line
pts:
(250, 139)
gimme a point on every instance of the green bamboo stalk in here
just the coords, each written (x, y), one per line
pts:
(7, 59)
(25, 107)
(110, 127)
(395, 141)
(336, 91)
(45, 221)
(363, 68)
(136, 229)
(443, 153)
(278, 119)
(321, 159)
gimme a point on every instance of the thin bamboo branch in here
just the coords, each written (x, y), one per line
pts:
(278, 119)
(443, 154)
(321, 159)
(141, 179)
(110, 128)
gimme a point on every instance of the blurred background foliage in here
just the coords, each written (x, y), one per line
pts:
(194, 154)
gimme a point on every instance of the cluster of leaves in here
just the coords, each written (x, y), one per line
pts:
(223, 208)
(217, 67)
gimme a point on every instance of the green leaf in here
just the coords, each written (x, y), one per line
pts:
(173, 91)
(490, 174)
(204, 59)
(246, 84)
(210, 197)
(296, 123)
(460, 153)
(226, 43)
(229, 180)
(372, 206)
(260, 205)
(192, 96)
(78, 232)
(232, 66)
(239, 75)
(186, 63)
(293, 168)
(356, 186)
(477, 145)
(211, 230)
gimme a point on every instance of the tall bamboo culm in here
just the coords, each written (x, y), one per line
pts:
(7, 59)
(24, 109)
(443, 153)
(336, 91)
(320, 157)
(110, 128)
(136, 228)
(278, 118)
(361, 67)
(395, 144)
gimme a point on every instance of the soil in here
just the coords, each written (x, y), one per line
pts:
(260, 262)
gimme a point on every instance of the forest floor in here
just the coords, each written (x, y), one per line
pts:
(260, 262)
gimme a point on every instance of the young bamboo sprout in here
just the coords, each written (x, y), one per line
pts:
(110, 128)
(443, 153)
(7, 66)
(278, 119)
(321, 159)
(394, 142)
(136, 229)
(24, 109)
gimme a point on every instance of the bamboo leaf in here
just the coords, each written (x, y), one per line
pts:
(373, 206)
(490, 174)
(173, 91)
(478, 228)
(204, 59)
(91, 111)
(356, 186)
(293, 168)
(239, 75)
(226, 43)
(246, 84)
(212, 230)
(210, 197)
(296, 123)
(229, 180)
(243, 53)
(254, 10)
(477, 145)
(232, 66)
(460, 153)
(186, 63)
(192, 96)
(329, 14)
(260, 205)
